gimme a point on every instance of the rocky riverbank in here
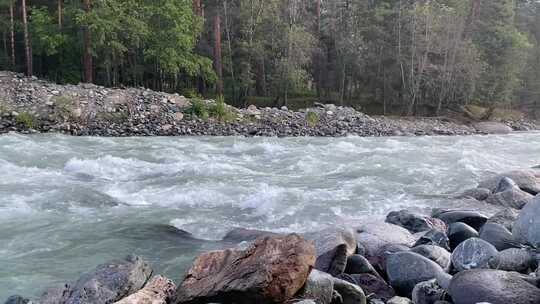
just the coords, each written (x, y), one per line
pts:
(449, 256)
(31, 105)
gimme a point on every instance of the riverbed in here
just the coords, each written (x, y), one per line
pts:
(70, 203)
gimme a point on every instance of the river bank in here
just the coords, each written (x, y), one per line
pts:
(30, 105)
(457, 256)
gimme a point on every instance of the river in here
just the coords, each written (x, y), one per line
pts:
(70, 203)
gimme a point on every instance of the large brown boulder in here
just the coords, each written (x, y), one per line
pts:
(159, 290)
(271, 270)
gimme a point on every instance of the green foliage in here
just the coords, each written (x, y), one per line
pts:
(47, 38)
(220, 110)
(198, 109)
(312, 118)
(26, 120)
(64, 107)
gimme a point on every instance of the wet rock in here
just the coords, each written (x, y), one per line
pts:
(238, 235)
(319, 286)
(492, 286)
(379, 259)
(508, 194)
(350, 293)
(108, 283)
(472, 218)
(373, 286)
(514, 259)
(459, 232)
(373, 236)
(272, 269)
(399, 300)
(428, 292)
(505, 217)
(473, 253)
(490, 127)
(357, 264)
(434, 237)
(479, 194)
(306, 302)
(406, 269)
(526, 228)
(159, 290)
(17, 300)
(437, 254)
(498, 236)
(525, 179)
(414, 222)
(333, 246)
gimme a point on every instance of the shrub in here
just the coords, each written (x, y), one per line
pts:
(26, 120)
(221, 111)
(312, 118)
(63, 107)
(198, 108)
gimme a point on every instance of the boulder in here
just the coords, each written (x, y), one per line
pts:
(350, 293)
(271, 269)
(492, 286)
(108, 283)
(428, 292)
(508, 194)
(472, 218)
(437, 254)
(399, 300)
(319, 286)
(514, 259)
(17, 300)
(159, 290)
(406, 269)
(238, 235)
(491, 127)
(434, 237)
(372, 285)
(472, 254)
(505, 217)
(357, 264)
(498, 236)
(459, 232)
(479, 194)
(414, 222)
(525, 179)
(373, 236)
(333, 246)
(526, 228)
(379, 259)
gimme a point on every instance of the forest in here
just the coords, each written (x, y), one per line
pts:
(406, 57)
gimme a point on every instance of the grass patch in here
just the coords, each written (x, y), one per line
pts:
(198, 108)
(26, 120)
(312, 118)
(221, 111)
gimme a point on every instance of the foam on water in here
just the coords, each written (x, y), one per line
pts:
(68, 204)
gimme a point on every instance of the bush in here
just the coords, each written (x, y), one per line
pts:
(312, 118)
(221, 111)
(198, 108)
(64, 107)
(26, 120)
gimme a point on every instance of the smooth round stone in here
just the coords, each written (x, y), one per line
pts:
(414, 222)
(472, 254)
(526, 228)
(319, 285)
(492, 286)
(472, 218)
(459, 232)
(428, 292)
(357, 264)
(406, 269)
(437, 254)
(373, 285)
(374, 236)
(434, 237)
(350, 293)
(505, 217)
(498, 236)
(514, 259)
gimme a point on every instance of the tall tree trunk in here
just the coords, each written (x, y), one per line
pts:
(12, 34)
(229, 45)
(60, 14)
(197, 8)
(217, 54)
(319, 58)
(87, 57)
(27, 47)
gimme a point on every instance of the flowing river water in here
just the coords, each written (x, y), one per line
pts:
(68, 204)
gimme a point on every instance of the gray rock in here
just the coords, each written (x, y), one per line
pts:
(459, 232)
(319, 286)
(17, 300)
(414, 222)
(505, 217)
(108, 283)
(492, 286)
(238, 235)
(406, 269)
(498, 236)
(373, 286)
(472, 218)
(333, 246)
(428, 292)
(526, 228)
(473, 253)
(159, 290)
(357, 264)
(479, 194)
(437, 254)
(350, 293)
(514, 259)
(399, 300)
(434, 237)
(525, 179)
(508, 194)
(379, 259)
(373, 236)
(491, 127)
